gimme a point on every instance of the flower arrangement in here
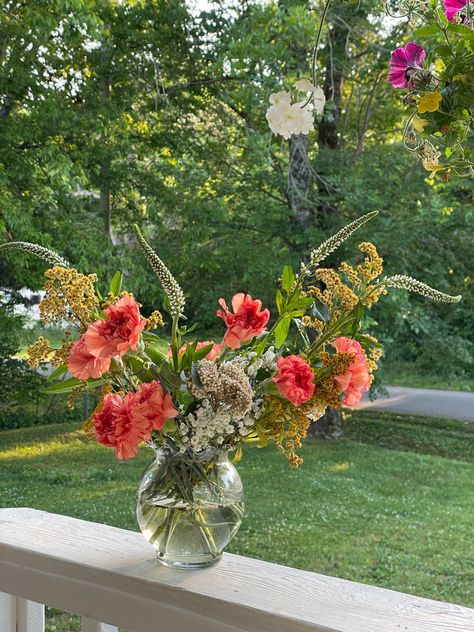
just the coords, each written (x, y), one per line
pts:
(265, 381)
(439, 84)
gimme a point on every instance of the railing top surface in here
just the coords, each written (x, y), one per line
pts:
(118, 567)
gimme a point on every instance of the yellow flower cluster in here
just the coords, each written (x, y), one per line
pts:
(286, 425)
(111, 299)
(338, 363)
(312, 323)
(335, 292)
(372, 265)
(38, 352)
(154, 320)
(70, 295)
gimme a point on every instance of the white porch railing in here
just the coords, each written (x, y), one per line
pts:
(106, 574)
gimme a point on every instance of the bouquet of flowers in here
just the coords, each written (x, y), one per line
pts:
(195, 400)
(439, 84)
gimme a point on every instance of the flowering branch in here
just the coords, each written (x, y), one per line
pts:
(51, 257)
(405, 282)
(170, 285)
(331, 244)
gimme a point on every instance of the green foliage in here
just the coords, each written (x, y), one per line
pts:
(162, 114)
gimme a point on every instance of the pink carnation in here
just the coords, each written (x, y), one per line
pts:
(294, 379)
(83, 364)
(117, 427)
(403, 61)
(153, 404)
(118, 332)
(247, 321)
(356, 380)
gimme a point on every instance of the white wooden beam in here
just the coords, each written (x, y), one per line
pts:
(20, 615)
(30, 616)
(7, 612)
(91, 625)
(111, 575)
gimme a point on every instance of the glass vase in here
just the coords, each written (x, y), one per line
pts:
(190, 505)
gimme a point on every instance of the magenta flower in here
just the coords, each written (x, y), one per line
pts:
(405, 59)
(452, 7)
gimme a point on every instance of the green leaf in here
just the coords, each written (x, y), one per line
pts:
(321, 311)
(427, 30)
(66, 386)
(156, 354)
(281, 331)
(287, 278)
(202, 353)
(279, 301)
(57, 373)
(116, 284)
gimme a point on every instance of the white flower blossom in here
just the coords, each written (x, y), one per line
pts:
(287, 120)
(304, 85)
(319, 100)
(277, 98)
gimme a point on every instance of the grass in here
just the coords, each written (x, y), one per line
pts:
(391, 504)
(409, 375)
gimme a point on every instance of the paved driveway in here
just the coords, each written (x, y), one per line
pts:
(424, 401)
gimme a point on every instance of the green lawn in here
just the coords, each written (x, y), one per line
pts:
(403, 374)
(391, 504)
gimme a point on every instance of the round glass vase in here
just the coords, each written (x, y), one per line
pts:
(190, 505)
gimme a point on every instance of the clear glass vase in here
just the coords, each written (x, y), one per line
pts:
(190, 506)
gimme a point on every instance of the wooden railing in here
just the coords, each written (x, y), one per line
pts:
(106, 574)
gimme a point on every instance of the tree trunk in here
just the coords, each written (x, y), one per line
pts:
(328, 427)
(300, 179)
(330, 424)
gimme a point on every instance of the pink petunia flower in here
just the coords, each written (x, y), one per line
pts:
(294, 379)
(118, 332)
(453, 7)
(247, 321)
(83, 364)
(356, 380)
(403, 61)
(153, 404)
(116, 427)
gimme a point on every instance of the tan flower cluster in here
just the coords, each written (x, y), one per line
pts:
(70, 295)
(226, 385)
(154, 320)
(111, 299)
(287, 425)
(312, 323)
(372, 266)
(74, 394)
(337, 363)
(59, 357)
(335, 292)
(328, 393)
(350, 273)
(38, 352)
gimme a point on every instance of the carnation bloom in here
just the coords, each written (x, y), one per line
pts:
(294, 379)
(83, 364)
(356, 379)
(118, 332)
(213, 353)
(151, 403)
(453, 7)
(403, 61)
(116, 426)
(247, 321)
